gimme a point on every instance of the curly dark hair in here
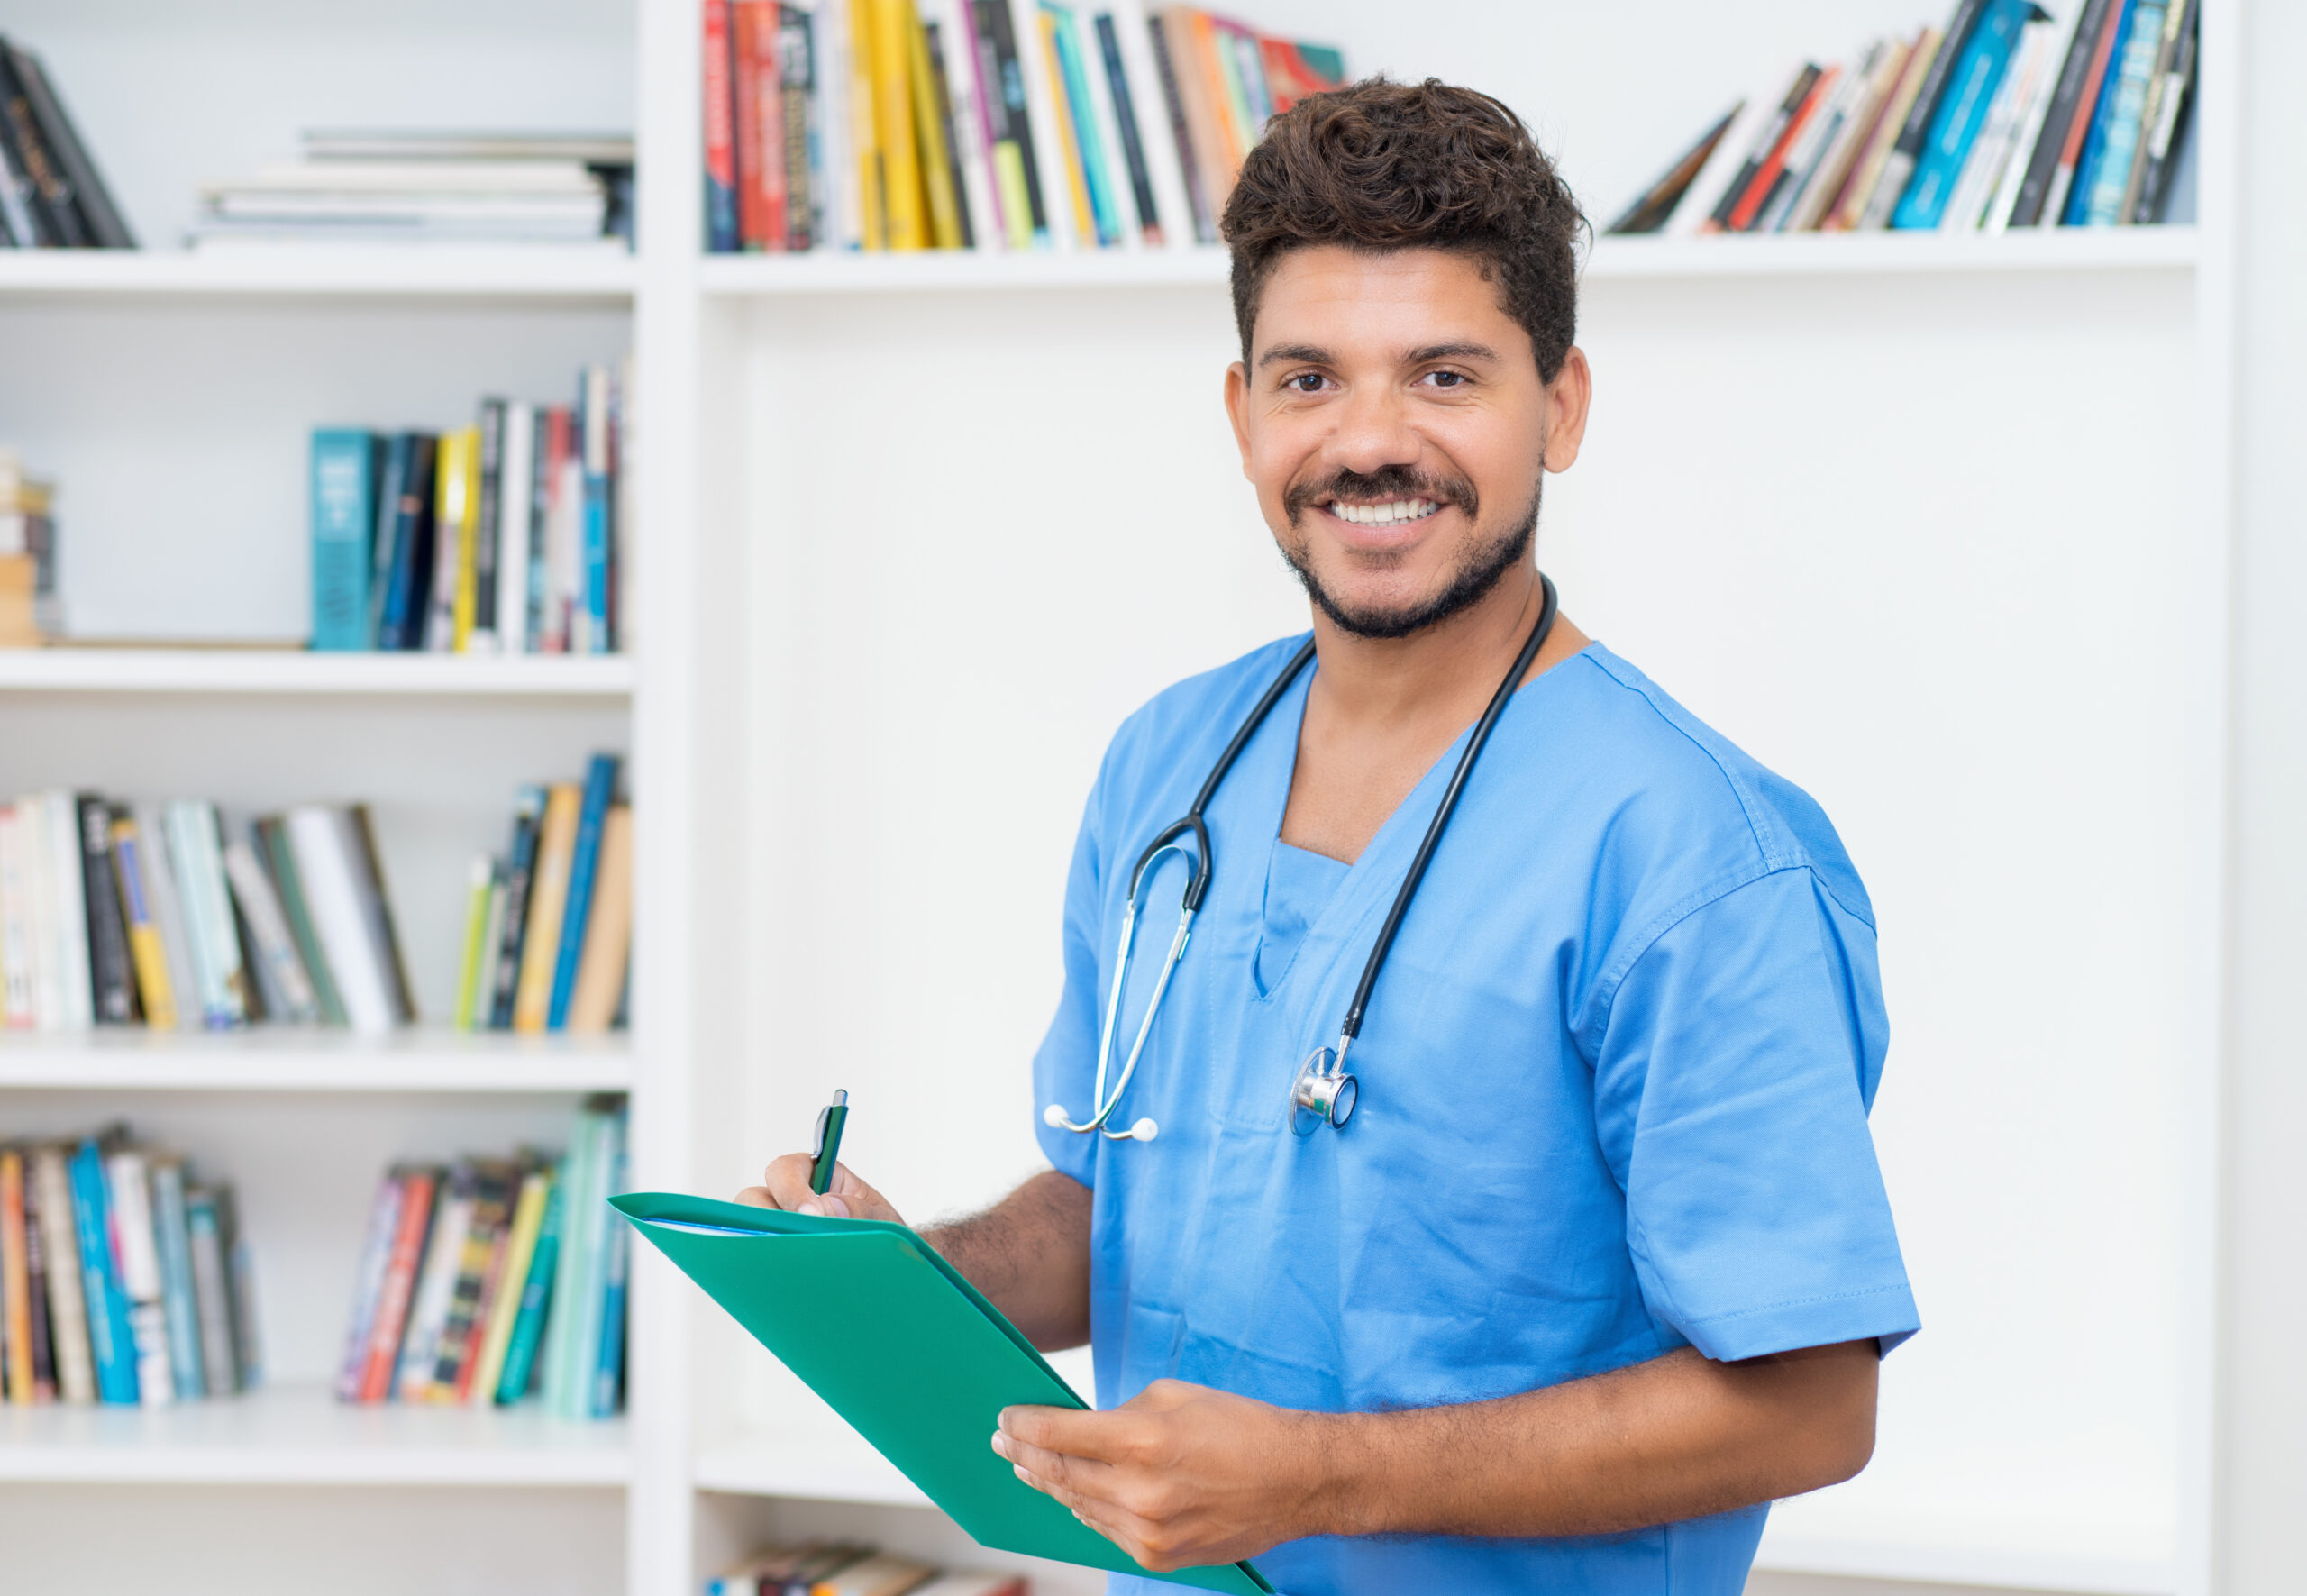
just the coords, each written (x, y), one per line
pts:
(1380, 165)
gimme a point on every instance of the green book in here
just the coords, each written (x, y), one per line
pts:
(900, 1345)
(536, 1294)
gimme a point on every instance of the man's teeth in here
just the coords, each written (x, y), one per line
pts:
(1391, 514)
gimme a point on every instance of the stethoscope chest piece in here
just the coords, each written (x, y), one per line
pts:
(1323, 1093)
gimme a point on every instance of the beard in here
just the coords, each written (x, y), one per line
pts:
(1481, 564)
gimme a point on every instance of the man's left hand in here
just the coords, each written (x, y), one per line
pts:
(1180, 1476)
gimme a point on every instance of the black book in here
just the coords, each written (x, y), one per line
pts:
(42, 1348)
(110, 976)
(1141, 180)
(23, 223)
(520, 870)
(107, 229)
(2164, 141)
(410, 583)
(998, 63)
(1898, 167)
(488, 535)
(50, 192)
(383, 529)
(796, 82)
(1772, 131)
(1204, 221)
(1650, 212)
(2042, 163)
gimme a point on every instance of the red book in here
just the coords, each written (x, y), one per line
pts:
(761, 126)
(417, 1190)
(2087, 109)
(1758, 192)
(720, 146)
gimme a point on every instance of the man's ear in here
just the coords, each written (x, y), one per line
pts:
(1569, 396)
(1237, 401)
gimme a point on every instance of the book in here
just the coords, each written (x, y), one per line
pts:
(1817, 84)
(104, 226)
(478, 633)
(436, 1284)
(1906, 151)
(376, 906)
(108, 963)
(280, 856)
(798, 90)
(240, 1279)
(42, 183)
(509, 1291)
(66, 1278)
(495, 1185)
(1865, 94)
(408, 506)
(885, 27)
(1051, 142)
(481, 886)
(2066, 162)
(181, 1307)
(41, 1333)
(132, 869)
(2171, 120)
(520, 870)
(600, 792)
(207, 1217)
(944, 153)
(884, 1574)
(2175, 20)
(608, 931)
(512, 513)
(954, 58)
(1981, 176)
(27, 875)
(758, 124)
(15, 1283)
(1769, 133)
(413, 1226)
(2070, 91)
(607, 1373)
(590, 629)
(137, 1262)
(448, 610)
(344, 468)
(66, 872)
(1074, 85)
(527, 1335)
(721, 234)
(1009, 132)
(1650, 209)
(570, 1338)
(369, 1280)
(218, 980)
(159, 878)
(17, 935)
(111, 1343)
(548, 902)
(290, 995)
(1830, 106)
(327, 861)
(2125, 107)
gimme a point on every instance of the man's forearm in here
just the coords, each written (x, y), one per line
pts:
(1674, 1439)
(1029, 1253)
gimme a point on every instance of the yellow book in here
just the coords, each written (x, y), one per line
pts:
(460, 470)
(1077, 186)
(504, 1307)
(873, 214)
(548, 899)
(901, 193)
(146, 952)
(936, 164)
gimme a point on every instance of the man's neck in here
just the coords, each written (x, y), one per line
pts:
(1439, 668)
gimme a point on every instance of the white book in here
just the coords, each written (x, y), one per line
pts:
(570, 178)
(199, 859)
(1035, 67)
(328, 863)
(1171, 205)
(275, 945)
(140, 1274)
(1730, 158)
(564, 547)
(2037, 111)
(76, 1376)
(73, 966)
(428, 1314)
(43, 949)
(16, 925)
(1108, 121)
(160, 883)
(1981, 172)
(515, 491)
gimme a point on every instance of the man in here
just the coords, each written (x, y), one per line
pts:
(1602, 1264)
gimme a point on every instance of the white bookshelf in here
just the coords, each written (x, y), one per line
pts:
(810, 429)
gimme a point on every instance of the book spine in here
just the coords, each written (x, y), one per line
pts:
(143, 933)
(1982, 169)
(536, 1298)
(212, 1292)
(1073, 181)
(240, 1274)
(16, 1280)
(434, 626)
(796, 89)
(406, 601)
(1129, 129)
(759, 126)
(480, 634)
(325, 867)
(376, 1256)
(516, 487)
(102, 217)
(48, 192)
(21, 225)
(2126, 108)
(2067, 97)
(76, 952)
(418, 1187)
(608, 931)
(1050, 145)
(595, 592)
(460, 505)
(586, 1229)
(895, 136)
(436, 1283)
(1010, 134)
(548, 902)
(481, 886)
(2073, 151)
(1081, 83)
(520, 870)
(43, 945)
(204, 832)
(173, 1241)
(609, 1352)
(111, 1343)
(474, 1369)
(344, 509)
(1906, 154)
(2174, 19)
(136, 1253)
(600, 790)
(1970, 93)
(37, 1313)
(1771, 174)
(199, 927)
(936, 96)
(511, 1286)
(16, 937)
(268, 923)
(272, 836)
(834, 177)
(2171, 116)
(375, 905)
(484, 1236)
(68, 1298)
(560, 1378)
(721, 234)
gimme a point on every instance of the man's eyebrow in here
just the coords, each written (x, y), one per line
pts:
(1307, 352)
(1452, 351)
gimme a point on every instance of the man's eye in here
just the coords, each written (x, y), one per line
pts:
(1447, 379)
(1305, 382)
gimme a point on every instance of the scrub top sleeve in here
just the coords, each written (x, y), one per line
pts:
(1732, 1082)
(1065, 1067)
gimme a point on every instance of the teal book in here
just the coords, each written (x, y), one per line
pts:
(111, 1343)
(345, 470)
(590, 1236)
(570, 1287)
(536, 1298)
(181, 1307)
(608, 1367)
(1088, 139)
(1961, 112)
(584, 867)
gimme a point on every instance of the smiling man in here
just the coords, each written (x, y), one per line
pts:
(1596, 1261)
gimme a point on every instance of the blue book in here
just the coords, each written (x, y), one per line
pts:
(408, 585)
(536, 1297)
(344, 509)
(1086, 138)
(1962, 111)
(2119, 136)
(111, 1342)
(608, 1370)
(172, 1240)
(2095, 143)
(596, 420)
(584, 864)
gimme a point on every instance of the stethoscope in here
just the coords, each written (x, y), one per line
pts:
(1323, 1093)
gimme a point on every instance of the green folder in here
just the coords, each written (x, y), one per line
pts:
(900, 1345)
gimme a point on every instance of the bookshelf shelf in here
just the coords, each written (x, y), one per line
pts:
(301, 1436)
(322, 271)
(294, 1059)
(297, 671)
(834, 1470)
(1778, 255)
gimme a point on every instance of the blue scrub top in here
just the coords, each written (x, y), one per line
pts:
(1615, 1080)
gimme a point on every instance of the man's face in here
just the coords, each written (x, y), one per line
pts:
(1392, 420)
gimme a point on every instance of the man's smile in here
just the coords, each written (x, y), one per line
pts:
(1399, 512)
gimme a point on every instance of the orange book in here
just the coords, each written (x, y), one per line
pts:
(1758, 192)
(15, 1278)
(548, 900)
(608, 930)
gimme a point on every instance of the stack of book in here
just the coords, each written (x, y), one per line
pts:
(51, 195)
(492, 1278)
(162, 915)
(122, 1279)
(31, 613)
(549, 926)
(394, 186)
(988, 124)
(502, 537)
(2007, 117)
(847, 1568)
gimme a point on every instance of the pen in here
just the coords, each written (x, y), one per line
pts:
(830, 1119)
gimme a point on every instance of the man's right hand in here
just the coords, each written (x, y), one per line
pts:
(785, 1184)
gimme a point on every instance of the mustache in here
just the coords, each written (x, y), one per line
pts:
(1387, 483)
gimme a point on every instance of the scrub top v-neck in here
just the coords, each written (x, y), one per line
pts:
(1615, 1083)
